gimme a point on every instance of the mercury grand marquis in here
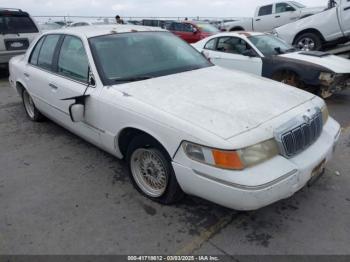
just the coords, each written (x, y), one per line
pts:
(182, 124)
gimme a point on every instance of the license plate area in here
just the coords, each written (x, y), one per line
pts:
(317, 172)
(16, 44)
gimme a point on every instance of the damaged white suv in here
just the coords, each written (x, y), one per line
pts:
(182, 124)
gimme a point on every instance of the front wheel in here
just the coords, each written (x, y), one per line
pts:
(151, 171)
(32, 112)
(309, 42)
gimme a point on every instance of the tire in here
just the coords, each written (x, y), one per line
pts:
(309, 42)
(32, 112)
(154, 176)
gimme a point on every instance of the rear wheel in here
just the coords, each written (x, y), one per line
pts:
(32, 112)
(151, 171)
(308, 42)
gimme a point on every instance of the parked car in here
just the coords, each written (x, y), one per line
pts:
(192, 31)
(17, 31)
(156, 23)
(49, 26)
(268, 56)
(313, 33)
(90, 23)
(273, 15)
(181, 123)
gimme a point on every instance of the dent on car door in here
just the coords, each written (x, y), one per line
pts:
(71, 84)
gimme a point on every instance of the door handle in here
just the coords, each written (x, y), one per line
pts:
(277, 16)
(258, 19)
(26, 75)
(53, 86)
(347, 8)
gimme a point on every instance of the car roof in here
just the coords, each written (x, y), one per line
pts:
(98, 30)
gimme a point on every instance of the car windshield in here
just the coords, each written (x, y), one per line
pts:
(137, 56)
(270, 45)
(207, 28)
(299, 5)
(15, 24)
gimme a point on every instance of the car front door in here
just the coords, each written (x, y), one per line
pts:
(71, 82)
(284, 14)
(235, 53)
(265, 20)
(345, 16)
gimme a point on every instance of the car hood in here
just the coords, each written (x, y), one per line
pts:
(223, 102)
(333, 63)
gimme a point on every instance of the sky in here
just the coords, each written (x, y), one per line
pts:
(144, 8)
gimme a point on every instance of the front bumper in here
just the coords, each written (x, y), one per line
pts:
(334, 84)
(258, 186)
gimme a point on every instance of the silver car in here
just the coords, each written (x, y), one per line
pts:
(17, 31)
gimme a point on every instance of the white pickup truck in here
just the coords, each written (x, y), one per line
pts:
(313, 33)
(273, 15)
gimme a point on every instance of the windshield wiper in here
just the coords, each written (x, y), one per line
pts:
(132, 79)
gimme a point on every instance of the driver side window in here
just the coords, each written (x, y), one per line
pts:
(284, 7)
(233, 45)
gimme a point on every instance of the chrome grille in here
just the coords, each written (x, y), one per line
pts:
(299, 138)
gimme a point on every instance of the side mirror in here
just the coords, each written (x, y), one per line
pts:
(249, 53)
(76, 112)
(194, 30)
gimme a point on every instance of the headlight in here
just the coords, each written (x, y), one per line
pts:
(325, 114)
(235, 159)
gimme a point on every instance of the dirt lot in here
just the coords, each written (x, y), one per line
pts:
(61, 195)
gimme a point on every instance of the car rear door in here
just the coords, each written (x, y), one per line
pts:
(38, 72)
(345, 17)
(265, 20)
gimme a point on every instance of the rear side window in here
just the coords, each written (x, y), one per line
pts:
(47, 51)
(265, 10)
(35, 54)
(16, 23)
(72, 60)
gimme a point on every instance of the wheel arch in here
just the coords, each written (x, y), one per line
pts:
(19, 87)
(127, 134)
(308, 30)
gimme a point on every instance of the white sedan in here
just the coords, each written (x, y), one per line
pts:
(182, 124)
(268, 56)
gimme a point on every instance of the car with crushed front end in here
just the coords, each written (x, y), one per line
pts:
(182, 124)
(268, 56)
